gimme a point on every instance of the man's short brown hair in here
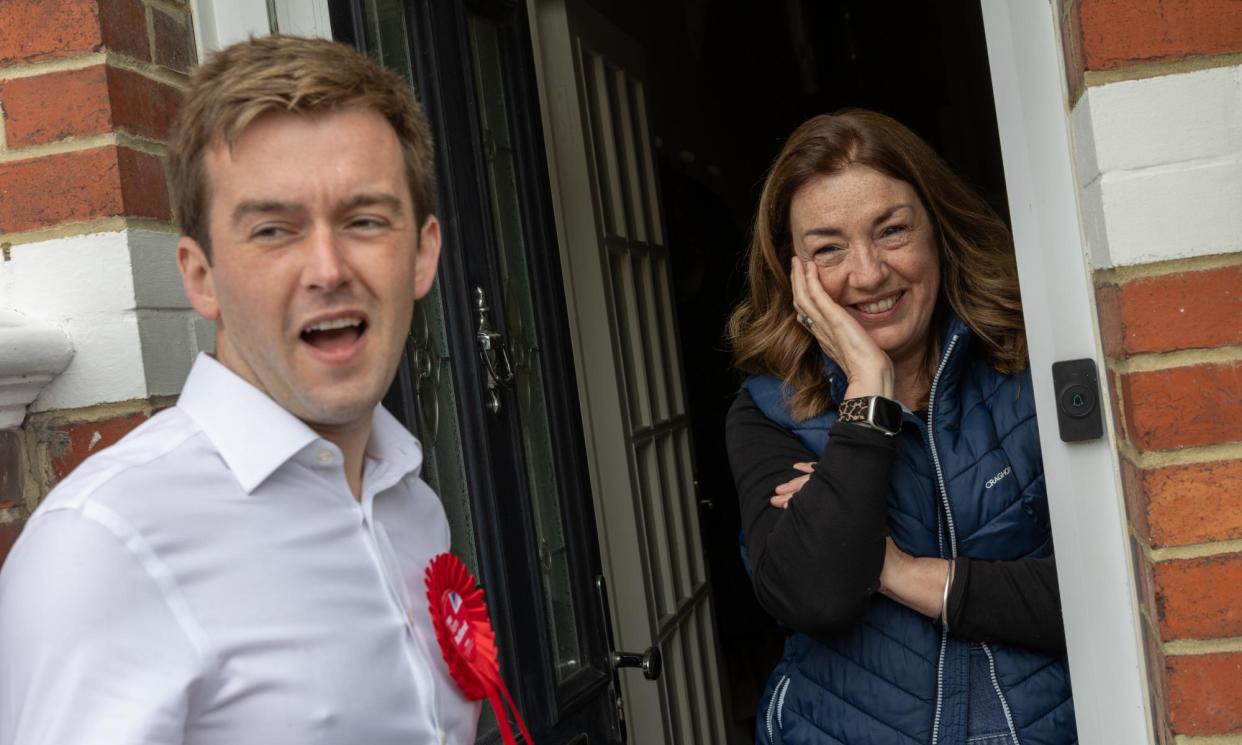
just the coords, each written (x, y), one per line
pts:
(292, 74)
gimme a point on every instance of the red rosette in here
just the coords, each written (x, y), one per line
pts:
(463, 629)
(467, 641)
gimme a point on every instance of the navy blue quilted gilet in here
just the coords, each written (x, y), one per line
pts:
(968, 483)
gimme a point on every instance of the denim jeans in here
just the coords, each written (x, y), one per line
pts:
(986, 723)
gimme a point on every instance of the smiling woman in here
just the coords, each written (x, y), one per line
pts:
(886, 453)
(866, 240)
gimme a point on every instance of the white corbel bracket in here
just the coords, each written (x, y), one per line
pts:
(32, 353)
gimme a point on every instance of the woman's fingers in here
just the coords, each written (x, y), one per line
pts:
(812, 301)
(786, 491)
(821, 327)
(839, 334)
(780, 502)
(793, 486)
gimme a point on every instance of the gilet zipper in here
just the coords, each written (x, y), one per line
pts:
(775, 704)
(948, 517)
(944, 501)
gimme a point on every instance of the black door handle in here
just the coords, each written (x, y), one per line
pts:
(650, 662)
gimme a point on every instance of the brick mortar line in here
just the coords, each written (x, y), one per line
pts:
(115, 138)
(1152, 622)
(4, 140)
(1193, 647)
(1148, 70)
(1121, 426)
(1233, 157)
(1193, 551)
(1207, 740)
(114, 224)
(97, 412)
(149, 70)
(141, 144)
(35, 484)
(1130, 272)
(1157, 361)
(65, 64)
(149, 21)
(15, 514)
(1152, 459)
(60, 147)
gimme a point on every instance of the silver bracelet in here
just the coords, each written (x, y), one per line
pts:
(944, 602)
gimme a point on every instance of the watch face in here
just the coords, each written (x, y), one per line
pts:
(886, 414)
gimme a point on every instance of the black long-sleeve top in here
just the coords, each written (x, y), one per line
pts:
(817, 563)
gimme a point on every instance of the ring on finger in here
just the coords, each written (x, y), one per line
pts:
(805, 320)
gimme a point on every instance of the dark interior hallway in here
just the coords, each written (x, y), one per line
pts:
(728, 82)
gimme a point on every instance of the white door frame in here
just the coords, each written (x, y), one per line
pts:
(1089, 526)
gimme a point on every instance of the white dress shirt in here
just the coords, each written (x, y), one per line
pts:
(211, 579)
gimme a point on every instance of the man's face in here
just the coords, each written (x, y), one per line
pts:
(317, 260)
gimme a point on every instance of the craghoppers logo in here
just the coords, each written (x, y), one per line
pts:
(997, 478)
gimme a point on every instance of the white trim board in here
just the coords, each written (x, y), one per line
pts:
(219, 23)
(1088, 513)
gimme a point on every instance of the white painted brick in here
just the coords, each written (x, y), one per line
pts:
(106, 366)
(119, 298)
(1172, 212)
(67, 277)
(1164, 120)
(157, 282)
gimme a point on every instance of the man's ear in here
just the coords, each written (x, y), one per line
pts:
(428, 256)
(197, 278)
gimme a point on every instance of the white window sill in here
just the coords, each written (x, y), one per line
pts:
(32, 353)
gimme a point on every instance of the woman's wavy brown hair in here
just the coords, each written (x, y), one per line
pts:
(979, 276)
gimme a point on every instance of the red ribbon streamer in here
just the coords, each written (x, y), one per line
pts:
(467, 641)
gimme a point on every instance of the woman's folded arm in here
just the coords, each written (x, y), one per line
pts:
(817, 563)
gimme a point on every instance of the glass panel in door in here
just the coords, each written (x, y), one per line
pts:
(428, 350)
(525, 349)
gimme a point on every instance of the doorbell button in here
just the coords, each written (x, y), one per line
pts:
(1077, 386)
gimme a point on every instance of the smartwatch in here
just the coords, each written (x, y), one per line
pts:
(874, 412)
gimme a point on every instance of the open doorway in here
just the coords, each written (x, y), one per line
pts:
(728, 83)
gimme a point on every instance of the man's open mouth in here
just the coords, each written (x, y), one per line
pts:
(335, 335)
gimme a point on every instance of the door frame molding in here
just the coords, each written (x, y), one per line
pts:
(601, 389)
(1094, 563)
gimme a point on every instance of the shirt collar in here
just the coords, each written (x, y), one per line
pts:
(255, 435)
(391, 442)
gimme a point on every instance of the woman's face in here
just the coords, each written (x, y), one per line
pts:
(875, 249)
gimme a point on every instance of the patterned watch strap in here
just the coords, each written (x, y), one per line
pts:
(854, 409)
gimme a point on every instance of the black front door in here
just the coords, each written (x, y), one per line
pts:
(488, 381)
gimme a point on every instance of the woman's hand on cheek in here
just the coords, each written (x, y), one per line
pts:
(868, 369)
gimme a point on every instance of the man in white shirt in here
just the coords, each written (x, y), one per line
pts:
(247, 566)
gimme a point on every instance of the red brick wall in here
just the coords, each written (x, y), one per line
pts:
(88, 90)
(1107, 35)
(1172, 333)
